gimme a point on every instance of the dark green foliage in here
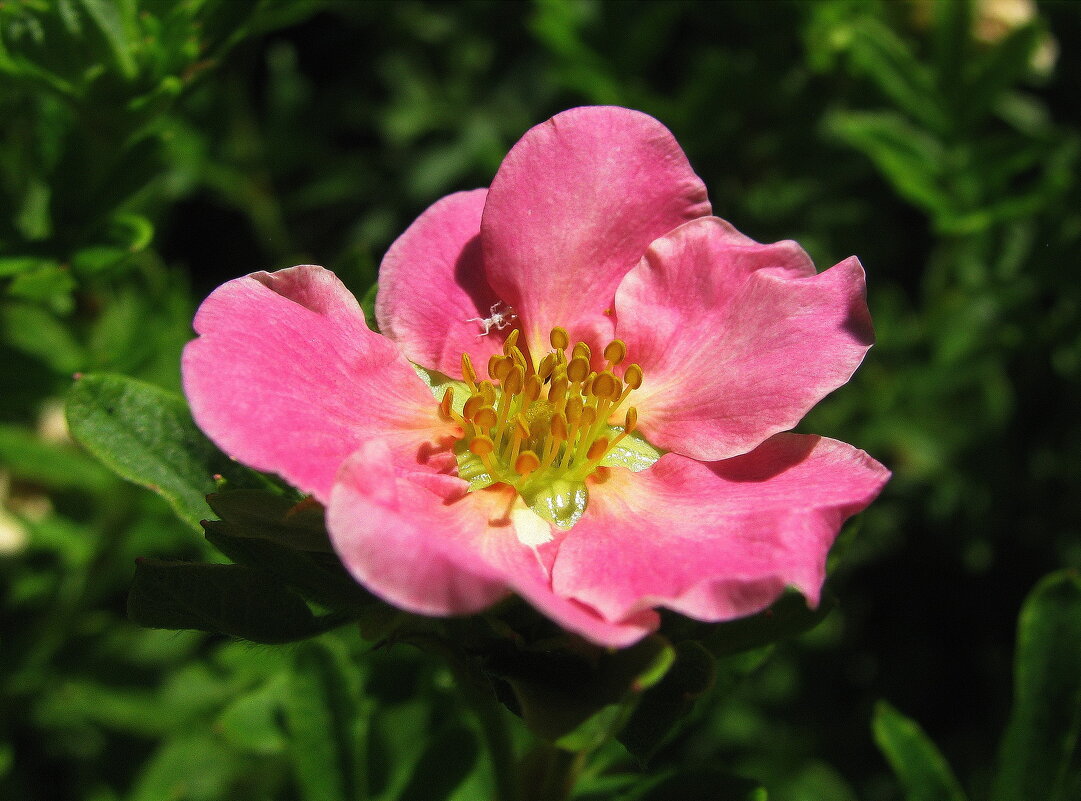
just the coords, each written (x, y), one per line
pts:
(152, 149)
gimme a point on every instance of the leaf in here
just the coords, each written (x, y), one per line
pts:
(881, 55)
(789, 617)
(261, 514)
(225, 599)
(109, 16)
(251, 723)
(924, 773)
(367, 303)
(146, 435)
(447, 760)
(558, 691)
(30, 457)
(1039, 756)
(1000, 69)
(322, 715)
(37, 332)
(909, 158)
(663, 706)
(15, 265)
(701, 784)
(193, 767)
(317, 576)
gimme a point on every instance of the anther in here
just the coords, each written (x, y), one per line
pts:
(512, 339)
(597, 449)
(631, 422)
(485, 417)
(445, 404)
(560, 339)
(615, 352)
(633, 376)
(558, 427)
(472, 404)
(481, 446)
(514, 380)
(526, 463)
(532, 389)
(468, 372)
(499, 367)
(547, 364)
(487, 392)
(606, 386)
(581, 351)
(578, 368)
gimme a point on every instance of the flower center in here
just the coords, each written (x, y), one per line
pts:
(542, 430)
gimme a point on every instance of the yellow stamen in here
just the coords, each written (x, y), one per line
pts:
(615, 352)
(469, 411)
(597, 450)
(606, 386)
(578, 369)
(468, 373)
(485, 417)
(499, 367)
(445, 413)
(547, 364)
(540, 422)
(526, 463)
(560, 339)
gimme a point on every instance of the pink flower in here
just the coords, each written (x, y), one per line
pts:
(624, 452)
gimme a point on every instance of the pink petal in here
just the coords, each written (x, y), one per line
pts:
(432, 281)
(719, 540)
(416, 538)
(573, 207)
(287, 378)
(737, 340)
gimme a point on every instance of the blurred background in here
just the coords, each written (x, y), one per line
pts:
(152, 150)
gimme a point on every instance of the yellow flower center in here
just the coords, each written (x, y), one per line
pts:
(543, 430)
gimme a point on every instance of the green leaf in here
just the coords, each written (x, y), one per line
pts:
(702, 784)
(251, 722)
(922, 770)
(663, 706)
(193, 767)
(909, 158)
(261, 514)
(367, 303)
(98, 259)
(1039, 756)
(36, 331)
(225, 599)
(558, 691)
(28, 456)
(1000, 69)
(447, 760)
(322, 715)
(789, 617)
(115, 20)
(48, 284)
(881, 55)
(147, 436)
(15, 265)
(317, 576)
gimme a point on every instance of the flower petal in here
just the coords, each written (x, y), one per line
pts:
(286, 377)
(737, 340)
(573, 207)
(418, 539)
(720, 540)
(432, 281)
